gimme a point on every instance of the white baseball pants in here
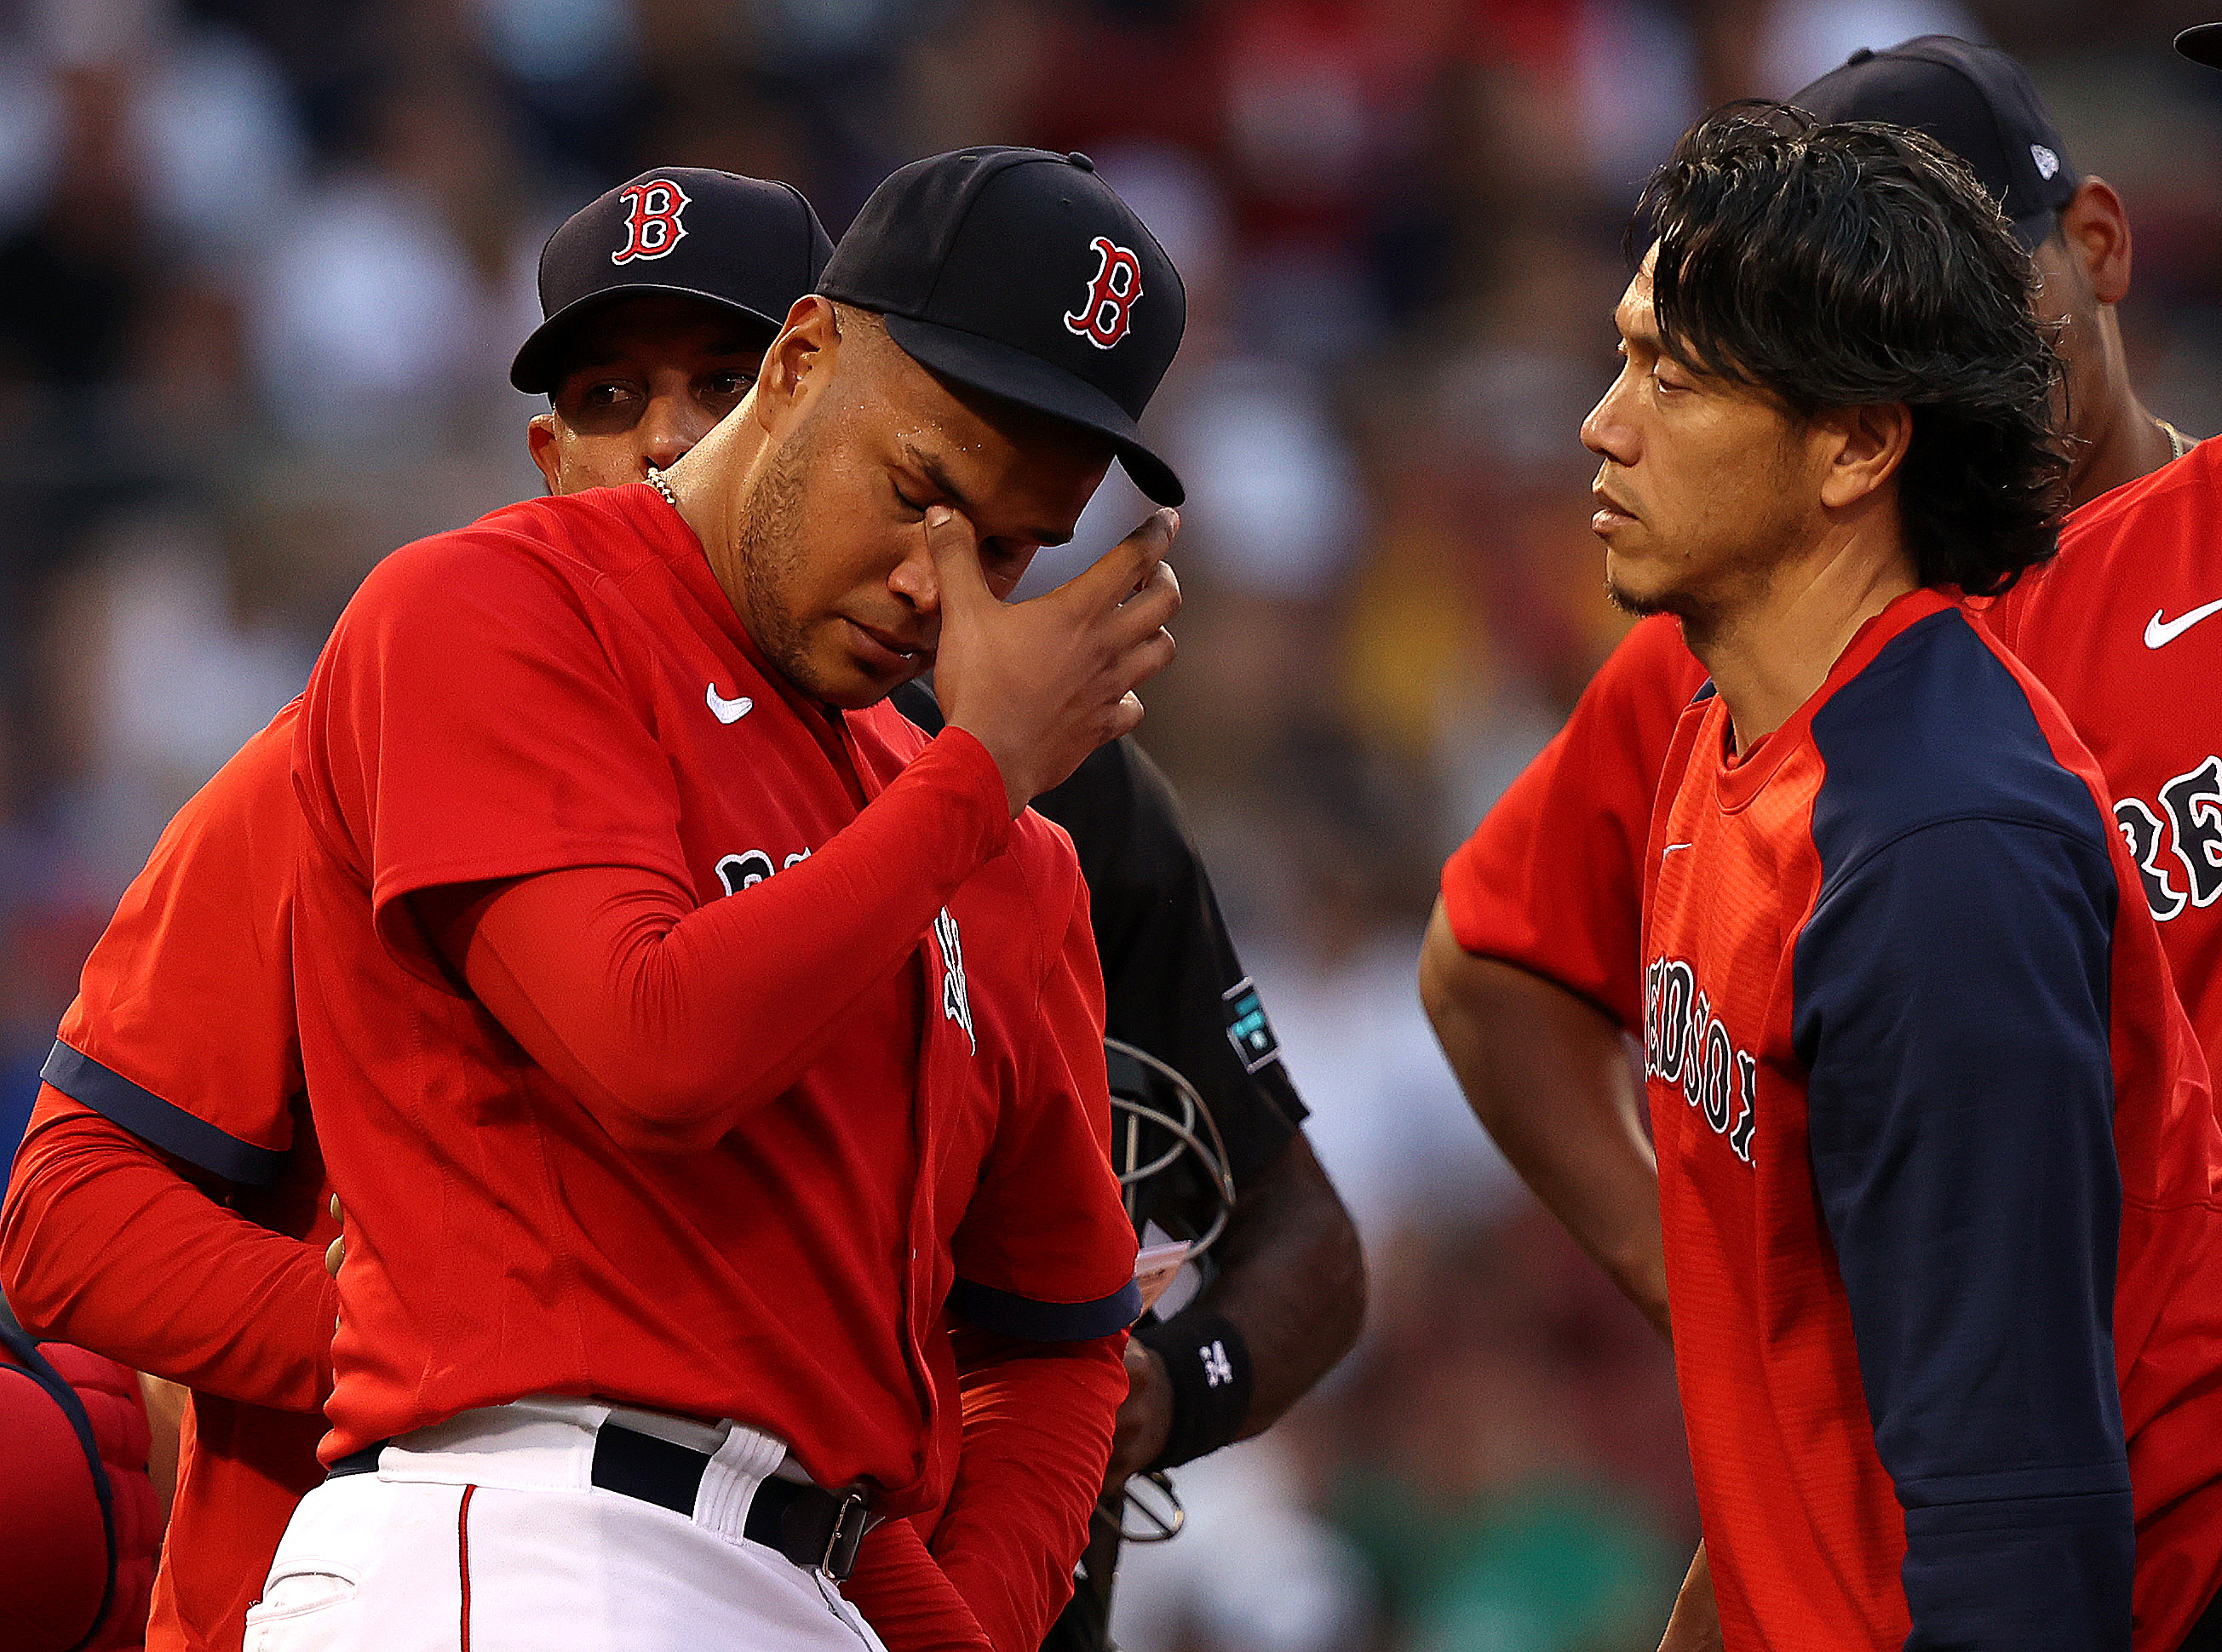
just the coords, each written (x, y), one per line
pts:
(485, 1534)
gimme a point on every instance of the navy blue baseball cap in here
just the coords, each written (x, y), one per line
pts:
(742, 244)
(1975, 100)
(1021, 272)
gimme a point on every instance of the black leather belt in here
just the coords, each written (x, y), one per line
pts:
(811, 1526)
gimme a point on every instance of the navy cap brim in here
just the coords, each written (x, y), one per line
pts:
(1018, 376)
(2202, 43)
(536, 370)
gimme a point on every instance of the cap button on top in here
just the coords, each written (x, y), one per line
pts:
(1081, 161)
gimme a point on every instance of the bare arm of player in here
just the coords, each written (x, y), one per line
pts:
(1548, 1074)
(107, 1243)
(1043, 683)
(1292, 1280)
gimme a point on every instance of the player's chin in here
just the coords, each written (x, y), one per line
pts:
(1634, 588)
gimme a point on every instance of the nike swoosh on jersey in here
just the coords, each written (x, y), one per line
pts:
(1671, 848)
(2159, 632)
(728, 711)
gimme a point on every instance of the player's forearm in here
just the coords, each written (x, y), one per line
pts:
(1547, 1075)
(105, 1243)
(1038, 1423)
(671, 1021)
(1291, 1280)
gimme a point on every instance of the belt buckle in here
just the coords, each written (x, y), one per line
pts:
(849, 1524)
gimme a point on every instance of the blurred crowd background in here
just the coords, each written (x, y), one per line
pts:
(263, 266)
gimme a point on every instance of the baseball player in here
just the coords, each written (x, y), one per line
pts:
(748, 1038)
(1530, 969)
(169, 1201)
(1938, 1157)
(640, 360)
(637, 371)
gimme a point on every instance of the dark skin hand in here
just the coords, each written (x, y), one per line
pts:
(1291, 1278)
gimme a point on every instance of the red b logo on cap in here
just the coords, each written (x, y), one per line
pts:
(653, 229)
(1111, 295)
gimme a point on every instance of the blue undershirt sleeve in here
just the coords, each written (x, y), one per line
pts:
(1952, 995)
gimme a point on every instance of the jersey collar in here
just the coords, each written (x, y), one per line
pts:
(1740, 780)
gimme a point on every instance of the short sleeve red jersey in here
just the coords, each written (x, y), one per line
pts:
(1552, 880)
(1938, 1171)
(202, 941)
(563, 684)
(2126, 626)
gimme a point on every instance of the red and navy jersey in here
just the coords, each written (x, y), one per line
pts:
(1938, 1171)
(2123, 627)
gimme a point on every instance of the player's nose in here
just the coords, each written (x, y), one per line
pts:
(1604, 431)
(666, 432)
(914, 580)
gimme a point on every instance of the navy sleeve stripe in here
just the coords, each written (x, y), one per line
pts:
(164, 1124)
(1045, 1321)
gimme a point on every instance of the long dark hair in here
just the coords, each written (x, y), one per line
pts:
(1853, 264)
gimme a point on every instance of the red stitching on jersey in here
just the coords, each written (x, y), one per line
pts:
(463, 1561)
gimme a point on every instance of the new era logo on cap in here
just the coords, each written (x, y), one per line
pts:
(1975, 100)
(1022, 273)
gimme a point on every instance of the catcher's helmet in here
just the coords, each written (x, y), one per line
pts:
(1166, 1147)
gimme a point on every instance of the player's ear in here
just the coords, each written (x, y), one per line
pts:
(1863, 448)
(2096, 230)
(541, 442)
(794, 362)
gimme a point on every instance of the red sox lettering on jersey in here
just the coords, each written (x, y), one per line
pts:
(956, 1004)
(1865, 898)
(653, 227)
(2178, 846)
(1685, 1043)
(1102, 320)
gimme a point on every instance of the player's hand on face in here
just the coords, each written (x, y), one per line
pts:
(1043, 683)
(1144, 1419)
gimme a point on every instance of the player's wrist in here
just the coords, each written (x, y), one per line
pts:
(1207, 1366)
